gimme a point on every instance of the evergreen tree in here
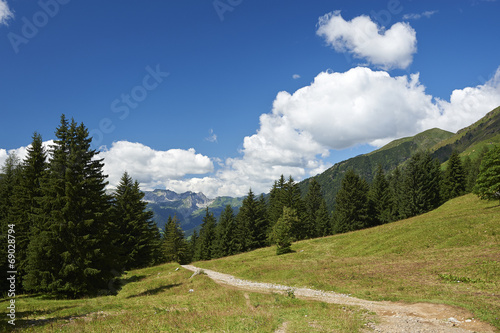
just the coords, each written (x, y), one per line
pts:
(192, 246)
(396, 194)
(276, 200)
(26, 196)
(421, 185)
(138, 238)
(488, 180)
(323, 221)
(225, 234)
(471, 168)
(8, 179)
(175, 246)
(454, 182)
(380, 198)
(313, 201)
(281, 234)
(351, 209)
(71, 251)
(292, 198)
(205, 244)
(252, 224)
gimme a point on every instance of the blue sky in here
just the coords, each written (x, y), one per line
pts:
(219, 96)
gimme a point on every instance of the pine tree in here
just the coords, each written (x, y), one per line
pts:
(8, 179)
(313, 201)
(380, 198)
(488, 181)
(225, 234)
(252, 224)
(206, 242)
(192, 246)
(71, 252)
(421, 185)
(351, 209)
(175, 246)
(276, 200)
(281, 234)
(138, 239)
(292, 198)
(323, 221)
(395, 180)
(454, 181)
(25, 201)
(472, 169)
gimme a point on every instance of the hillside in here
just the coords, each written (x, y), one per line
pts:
(389, 156)
(448, 256)
(467, 141)
(472, 138)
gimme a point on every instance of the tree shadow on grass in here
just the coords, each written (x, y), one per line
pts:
(120, 283)
(20, 322)
(156, 290)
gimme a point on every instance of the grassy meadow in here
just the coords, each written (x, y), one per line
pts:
(450, 256)
(158, 299)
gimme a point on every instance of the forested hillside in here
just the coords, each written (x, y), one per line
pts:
(389, 157)
(470, 141)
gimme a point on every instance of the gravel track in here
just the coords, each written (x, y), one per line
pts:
(392, 317)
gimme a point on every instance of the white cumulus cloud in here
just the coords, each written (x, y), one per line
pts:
(364, 39)
(152, 168)
(342, 110)
(336, 111)
(5, 12)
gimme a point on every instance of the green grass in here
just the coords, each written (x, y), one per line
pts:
(159, 299)
(415, 260)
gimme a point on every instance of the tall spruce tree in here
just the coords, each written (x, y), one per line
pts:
(205, 244)
(252, 224)
(472, 169)
(175, 246)
(276, 200)
(26, 197)
(8, 179)
(225, 234)
(323, 221)
(351, 209)
(395, 180)
(313, 201)
(454, 181)
(421, 185)
(71, 252)
(138, 238)
(380, 198)
(192, 246)
(488, 181)
(287, 194)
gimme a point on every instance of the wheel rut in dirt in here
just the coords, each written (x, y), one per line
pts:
(393, 316)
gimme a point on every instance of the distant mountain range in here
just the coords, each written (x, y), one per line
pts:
(190, 207)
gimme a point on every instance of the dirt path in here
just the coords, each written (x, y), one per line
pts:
(393, 317)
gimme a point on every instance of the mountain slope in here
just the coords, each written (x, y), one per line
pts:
(447, 256)
(467, 141)
(471, 139)
(389, 156)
